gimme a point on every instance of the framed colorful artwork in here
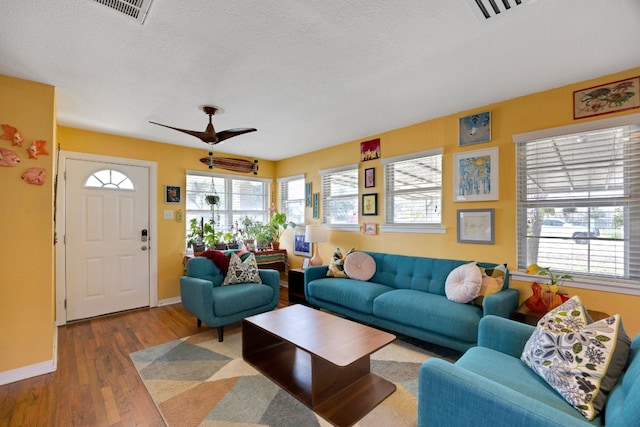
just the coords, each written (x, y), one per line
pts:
(369, 178)
(316, 208)
(300, 247)
(370, 204)
(370, 150)
(475, 128)
(307, 194)
(608, 98)
(476, 175)
(476, 226)
(370, 228)
(172, 194)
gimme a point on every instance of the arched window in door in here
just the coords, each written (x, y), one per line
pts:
(109, 178)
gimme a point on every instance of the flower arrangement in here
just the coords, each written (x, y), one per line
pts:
(555, 279)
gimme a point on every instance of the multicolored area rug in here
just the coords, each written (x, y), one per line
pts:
(198, 381)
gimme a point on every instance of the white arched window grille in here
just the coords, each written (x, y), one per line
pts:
(109, 178)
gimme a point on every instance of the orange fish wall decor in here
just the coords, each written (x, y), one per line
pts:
(34, 176)
(37, 147)
(8, 157)
(12, 134)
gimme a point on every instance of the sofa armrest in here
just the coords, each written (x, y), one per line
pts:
(503, 335)
(196, 295)
(270, 278)
(501, 303)
(314, 273)
(452, 396)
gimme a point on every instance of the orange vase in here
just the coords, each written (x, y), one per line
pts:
(551, 300)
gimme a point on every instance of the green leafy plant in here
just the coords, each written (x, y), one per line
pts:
(555, 279)
(279, 223)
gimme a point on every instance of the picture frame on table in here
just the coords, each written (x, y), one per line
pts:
(305, 263)
(300, 246)
(476, 226)
(370, 204)
(476, 175)
(172, 194)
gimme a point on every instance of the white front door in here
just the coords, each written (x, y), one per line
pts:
(107, 247)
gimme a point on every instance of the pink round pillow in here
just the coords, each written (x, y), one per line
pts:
(463, 283)
(360, 266)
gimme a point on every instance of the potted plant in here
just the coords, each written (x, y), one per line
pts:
(250, 232)
(279, 223)
(264, 235)
(195, 237)
(212, 199)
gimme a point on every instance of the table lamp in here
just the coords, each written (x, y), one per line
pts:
(315, 234)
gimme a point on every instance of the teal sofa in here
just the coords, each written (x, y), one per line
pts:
(489, 386)
(204, 297)
(406, 295)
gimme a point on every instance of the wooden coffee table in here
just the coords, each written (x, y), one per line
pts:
(321, 359)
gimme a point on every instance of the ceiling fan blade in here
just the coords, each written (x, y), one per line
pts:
(209, 138)
(230, 133)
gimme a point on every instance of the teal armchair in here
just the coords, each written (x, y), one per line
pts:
(204, 296)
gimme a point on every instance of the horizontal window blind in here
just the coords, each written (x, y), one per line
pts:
(340, 196)
(413, 189)
(578, 202)
(292, 198)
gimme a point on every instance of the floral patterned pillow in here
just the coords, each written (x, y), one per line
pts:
(242, 271)
(580, 361)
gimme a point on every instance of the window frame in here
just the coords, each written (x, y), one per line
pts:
(284, 202)
(586, 281)
(326, 197)
(389, 195)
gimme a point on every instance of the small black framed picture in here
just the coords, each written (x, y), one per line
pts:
(369, 178)
(370, 204)
(172, 194)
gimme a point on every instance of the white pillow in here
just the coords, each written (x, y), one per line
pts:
(360, 266)
(463, 283)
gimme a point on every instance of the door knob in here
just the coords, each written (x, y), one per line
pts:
(144, 248)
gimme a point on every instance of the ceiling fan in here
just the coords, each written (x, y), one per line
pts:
(210, 136)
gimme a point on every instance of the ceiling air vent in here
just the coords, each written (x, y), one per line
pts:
(485, 9)
(137, 9)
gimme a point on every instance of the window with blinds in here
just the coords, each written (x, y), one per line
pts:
(292, 198)
(413, 188)
(340, 195)
(238, 197)
(578, 202)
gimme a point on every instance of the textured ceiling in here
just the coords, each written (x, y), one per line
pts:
(306, 74)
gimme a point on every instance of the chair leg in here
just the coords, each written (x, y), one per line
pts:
(220, 333)
(199, 323)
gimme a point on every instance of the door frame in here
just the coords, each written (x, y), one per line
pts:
(60, 277)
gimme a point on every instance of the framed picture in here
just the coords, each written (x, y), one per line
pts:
(307, 194)
(369, 178)
(476, 226)
(316, 209)
(172, 194)
(305, 263)
(608, 98)
(370, 150)
(300, 247)
(476, 175)
(370, 228)
(475, 128)
(370, 204)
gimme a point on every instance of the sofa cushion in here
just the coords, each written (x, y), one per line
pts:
(336, 265)
(242, 271)
(463, 283)
(434, 313)
(360, 266)
(354, 294)
(581, 362)
(231, 300)
(492, 282)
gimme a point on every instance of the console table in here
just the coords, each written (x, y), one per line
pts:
(524, 315)
(276, 260)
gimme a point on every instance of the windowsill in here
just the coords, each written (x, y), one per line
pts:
(595, 284)
(413, 228)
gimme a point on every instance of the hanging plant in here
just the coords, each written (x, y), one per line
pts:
(212, 199)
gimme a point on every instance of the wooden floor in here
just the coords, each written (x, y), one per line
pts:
(96, 383)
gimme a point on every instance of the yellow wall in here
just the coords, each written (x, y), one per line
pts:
(542, 110)
(26, 254)
(26, 248)
(173, 161)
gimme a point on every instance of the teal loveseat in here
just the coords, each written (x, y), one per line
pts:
(406, 295)
(489, 386)
(204, 296)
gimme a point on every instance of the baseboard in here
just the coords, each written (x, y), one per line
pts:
(169, 301)
(41, 368)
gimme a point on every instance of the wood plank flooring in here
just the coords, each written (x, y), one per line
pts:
(96, 383)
